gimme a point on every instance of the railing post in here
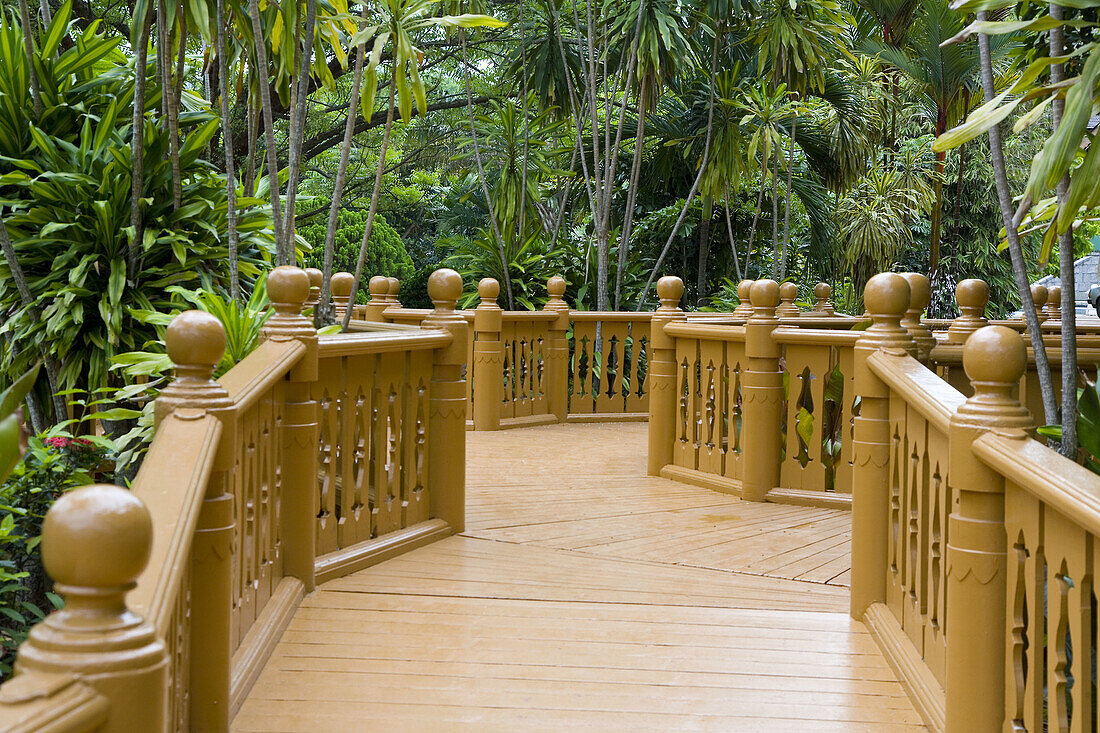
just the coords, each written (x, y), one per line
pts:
(195, 343)
(447, 415)
(341, 284)
(1039, 297)
(744, 307)
(788, 292)
(96, 541)
(557, 351)
(972, 295)
(393, 291)
(887, 298)
(487, 371)
(300, 427)
(1054, 304)
(994, 359)
(822, 293)
(920, 295)
(379, 287)
(662, 374)
(762, 395)
(315, 279)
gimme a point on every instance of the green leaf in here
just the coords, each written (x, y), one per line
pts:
(13, 396)
(58, 26)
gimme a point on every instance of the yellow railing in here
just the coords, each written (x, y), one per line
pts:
(310, 459)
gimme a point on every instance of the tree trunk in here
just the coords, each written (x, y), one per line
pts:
(733, 243)
(787, 201)
(631, 193)
(28, 46)
(756, 214)
(137, 146)
(230, 162)
(1019, 267)
(937, 205)
(775, 214)
(298, 121)
(704, 250)
(338, 186)
(172, 93)
(1065, 266)
(282, 253)
(373, 205)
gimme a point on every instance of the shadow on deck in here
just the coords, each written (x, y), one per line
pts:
(587, 594)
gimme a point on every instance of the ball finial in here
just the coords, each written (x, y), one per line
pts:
(920, 292)
(394, 288)
(341, 284)
(288, 288)
(445, 288)
(887, 294)
(1039, 295)
(195, 339)
(488, 290)
(1054, 303)
(764, 294)
(379, 287)
(555, 286)
(995, 355)
(316, 277)
(670, 289)
(96, 537)
(788, 292)
(823, 291)
(972, 294)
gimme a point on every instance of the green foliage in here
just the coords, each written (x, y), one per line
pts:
(386, 253)
(65, 183)
(1088, 426)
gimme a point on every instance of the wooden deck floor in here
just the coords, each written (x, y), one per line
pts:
(587, 595)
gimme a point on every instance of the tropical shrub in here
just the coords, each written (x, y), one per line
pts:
(65, 193)
(386, 253)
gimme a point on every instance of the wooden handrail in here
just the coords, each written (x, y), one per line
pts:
(687, 329)
(260, 371)
(377, 343)
(934, 398)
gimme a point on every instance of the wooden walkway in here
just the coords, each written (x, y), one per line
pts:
(587, 595)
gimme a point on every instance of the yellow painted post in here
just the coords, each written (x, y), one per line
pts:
(822, 293)
(972, 295)
(994, 359)
(487, 371)
(557, 351)
(1039, 297)
(744, 307)
(379, 287)
(447, 415)
(1054, 304)
(393, 291)
(96, 541)
(195, 342)
(300, 426)
(788, 292)
(920, 294)
(762, 396)
(887, 298)
(662, 375)
(341, 284)
(315, 278)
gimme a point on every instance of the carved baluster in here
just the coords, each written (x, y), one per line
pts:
(762, 388)
(788, 292)
(195, 342)
(994, 359)
(96, 541)
(556, 379)
(887, 298)
(342, 299)
(300, 427)
(447, 415)
(488, 366)
(662, 375)
(972, 296)
(920, 294)
(744, 306)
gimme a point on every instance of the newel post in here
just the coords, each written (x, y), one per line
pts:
(557, 351)
(972, 295)
(487, 371)
(287, 288)
(195, 342)
(887, 298)
(379, 287)
(96, 541)
(393, 291)
(822, 293)
(788, 293)
(662, 375)
(447, 415)
(316, 277)
(762, 395)
(341, 284)
(994, 359)
(920, 295)
(744, 305)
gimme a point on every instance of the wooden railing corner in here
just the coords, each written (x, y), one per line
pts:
(487, 370)
(762, 390)
(557, 351)
(662, 374)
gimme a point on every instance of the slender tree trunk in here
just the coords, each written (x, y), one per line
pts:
(957, 234)
(694, 185)
(173, 93)
(1065, 266)
(137, 145)
(1019, 267)
(373, 204)
(733, 242)
(937, 205)
(253, 122)
(632, 191)
(230, 162)
(775, 214)
(756, 214)
(298, 128)
(341, 177)
(28, 46)
(704, 249)
(787, 201)
(283, 255)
